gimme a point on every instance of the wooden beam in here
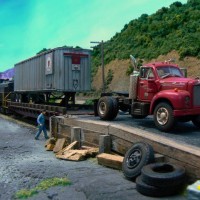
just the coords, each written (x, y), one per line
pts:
(109, 160)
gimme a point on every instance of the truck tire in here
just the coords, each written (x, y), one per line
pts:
(107, 108)
(115, 108)
(163, 117)
(139, 155)
(153, 191)
(196, 121)
(163, 175)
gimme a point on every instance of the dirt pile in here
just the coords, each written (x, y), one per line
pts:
(120, 81)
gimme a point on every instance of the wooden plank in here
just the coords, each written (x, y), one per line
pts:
(120, 145)
(91, 136)
(78, 155)
(50, 141)
(60, 143)
(101, 127)
(49, 147)
(64, 130)
(69, 147)
(110, 160)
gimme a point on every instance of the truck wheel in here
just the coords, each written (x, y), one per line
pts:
(107, 108)
(196, 121)
(164, 117)
(139, 155)
(115, 108)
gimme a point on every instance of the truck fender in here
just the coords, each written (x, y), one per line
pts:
(175, 97)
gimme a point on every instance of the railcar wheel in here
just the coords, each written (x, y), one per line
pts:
(107, 108)
(163, 117)
(139, 155)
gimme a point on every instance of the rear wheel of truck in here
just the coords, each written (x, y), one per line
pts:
(107, 108)
(196, 121)
(164, 117)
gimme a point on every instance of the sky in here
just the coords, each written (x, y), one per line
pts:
(27, 26)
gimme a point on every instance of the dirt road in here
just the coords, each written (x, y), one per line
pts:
(24, 163)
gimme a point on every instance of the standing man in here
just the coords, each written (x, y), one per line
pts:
(41, 125)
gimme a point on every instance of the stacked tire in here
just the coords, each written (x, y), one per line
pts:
(160, 179)
(152, 179)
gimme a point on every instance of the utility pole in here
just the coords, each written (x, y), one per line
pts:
(102, 64)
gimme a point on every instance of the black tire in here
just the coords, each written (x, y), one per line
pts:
(163, 174)
(153, 191)
(115, 108)
(139, 155)
(163, 117)
(196, 121)
(107, 108)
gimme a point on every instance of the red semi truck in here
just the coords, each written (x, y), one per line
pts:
(159, 89)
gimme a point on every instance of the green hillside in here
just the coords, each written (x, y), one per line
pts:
(174, 28)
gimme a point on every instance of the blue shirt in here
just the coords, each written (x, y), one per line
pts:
(41, 119)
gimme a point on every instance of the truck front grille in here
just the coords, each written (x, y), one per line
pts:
(196, 95)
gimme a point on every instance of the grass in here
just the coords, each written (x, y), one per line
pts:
(43, 185)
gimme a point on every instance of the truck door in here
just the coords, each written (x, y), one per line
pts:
(146, 85)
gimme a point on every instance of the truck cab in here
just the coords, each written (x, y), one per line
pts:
(156, 77)
(160, 89)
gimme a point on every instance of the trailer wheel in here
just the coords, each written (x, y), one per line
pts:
(153, 191)
(107, 108)
(196, 121)
(164, 117)
(163, 175)
(139, 155)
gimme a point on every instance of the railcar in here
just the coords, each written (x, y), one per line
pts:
(50, 78)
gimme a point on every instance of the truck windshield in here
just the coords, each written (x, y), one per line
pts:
(167, 71)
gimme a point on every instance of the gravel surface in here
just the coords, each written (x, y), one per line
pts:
(24, 163)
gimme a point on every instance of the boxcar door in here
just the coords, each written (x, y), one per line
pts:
(72, 72)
